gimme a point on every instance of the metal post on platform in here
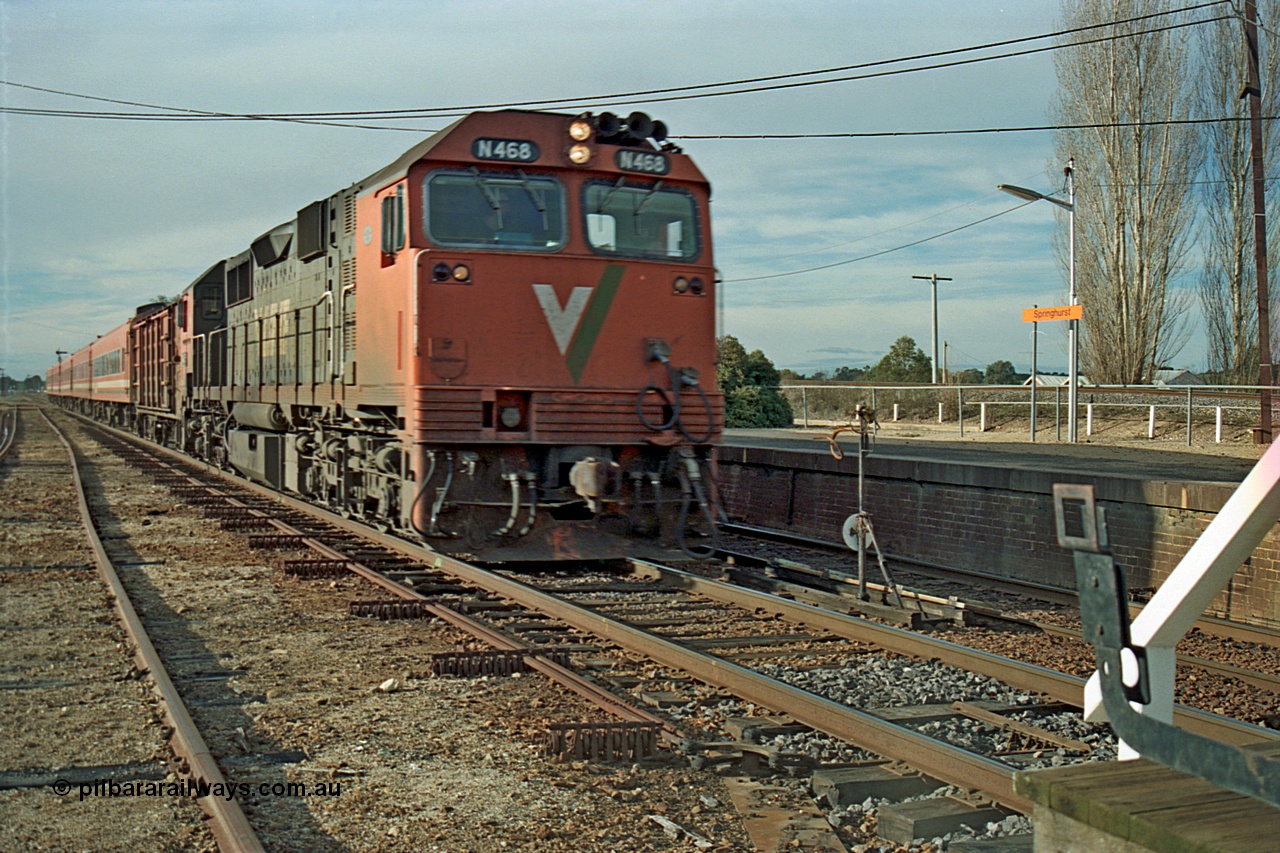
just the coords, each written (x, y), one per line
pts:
(1217, 426)
(1253, 89)
(1035, 382)
(1188, 416)
(982, 417)
(1057, 411)
(960, 409)
(1088, 419)
(804, 402)
(1151, 423)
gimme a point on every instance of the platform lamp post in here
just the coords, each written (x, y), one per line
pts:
(1073, 336)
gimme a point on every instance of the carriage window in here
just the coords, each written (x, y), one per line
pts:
(511, 211)
(640, 221)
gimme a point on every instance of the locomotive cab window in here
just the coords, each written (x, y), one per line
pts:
(640, 221)
(511, 211)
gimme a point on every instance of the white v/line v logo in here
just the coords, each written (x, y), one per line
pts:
(562, 320)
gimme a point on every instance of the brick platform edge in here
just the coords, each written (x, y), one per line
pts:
(994, 519)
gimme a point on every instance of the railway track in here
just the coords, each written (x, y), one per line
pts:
(340, 547)
(66, 598)
(967, 580)
(1232, 667)
(519, 620)
(299, 690)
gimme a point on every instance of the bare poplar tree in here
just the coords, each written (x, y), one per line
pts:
(1228, 285)
(1134, 209)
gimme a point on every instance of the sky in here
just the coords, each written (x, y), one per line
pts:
(97, 217)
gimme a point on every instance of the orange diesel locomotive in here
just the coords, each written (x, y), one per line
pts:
(503, 343)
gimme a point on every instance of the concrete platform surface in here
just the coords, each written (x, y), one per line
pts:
(1158, 460)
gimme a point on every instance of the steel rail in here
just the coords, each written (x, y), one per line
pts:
(927, 754)
(940, 760)
(598, 696)
(1044, 592)
(1057, 685)
(935, 758)
(1263, 680)
(228, 823)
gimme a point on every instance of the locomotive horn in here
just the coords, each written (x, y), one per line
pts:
(659, 131)
(608, 124)
(639, 125)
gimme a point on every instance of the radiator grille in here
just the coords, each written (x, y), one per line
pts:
(578, 417)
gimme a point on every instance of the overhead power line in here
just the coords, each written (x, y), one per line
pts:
(689, 92)
(847, 261)
(875, 134)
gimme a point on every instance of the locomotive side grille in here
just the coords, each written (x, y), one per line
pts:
(448, 414)
(577, 417)
(607, 416)
(349, 214)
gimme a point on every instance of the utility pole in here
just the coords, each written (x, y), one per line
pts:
(933, 280)
(1253, 90)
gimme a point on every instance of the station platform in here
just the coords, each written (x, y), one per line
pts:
(1142, 806)
(1156, 460)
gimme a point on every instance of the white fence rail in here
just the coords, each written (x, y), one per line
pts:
(1162, 410)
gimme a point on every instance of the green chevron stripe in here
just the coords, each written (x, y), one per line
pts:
(593, 321)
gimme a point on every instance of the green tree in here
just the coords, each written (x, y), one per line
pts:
(968, 376)
(754, 406)
(904, 362)
(749, 382)
(731, 364)
(1001, 373)
(849, 374)
(760, 370)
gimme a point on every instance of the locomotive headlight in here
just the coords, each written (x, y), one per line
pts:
(461, 272)
(680, 285)
(580, 155)
(580, 130)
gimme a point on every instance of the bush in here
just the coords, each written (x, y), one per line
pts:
(754, 406)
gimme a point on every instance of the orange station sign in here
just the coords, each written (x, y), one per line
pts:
(1054, 312)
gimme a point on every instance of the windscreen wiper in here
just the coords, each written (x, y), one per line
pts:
(489, 195)
(534, 197)
(647, 198)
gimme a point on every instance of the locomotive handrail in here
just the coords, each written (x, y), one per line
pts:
(339, 319)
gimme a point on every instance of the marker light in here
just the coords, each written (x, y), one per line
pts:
(580, 154)
(697, 286)
(580, 130)
(461, 272)
(680, 285)
(440, 272)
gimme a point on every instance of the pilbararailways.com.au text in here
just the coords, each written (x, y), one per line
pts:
(197, 789)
